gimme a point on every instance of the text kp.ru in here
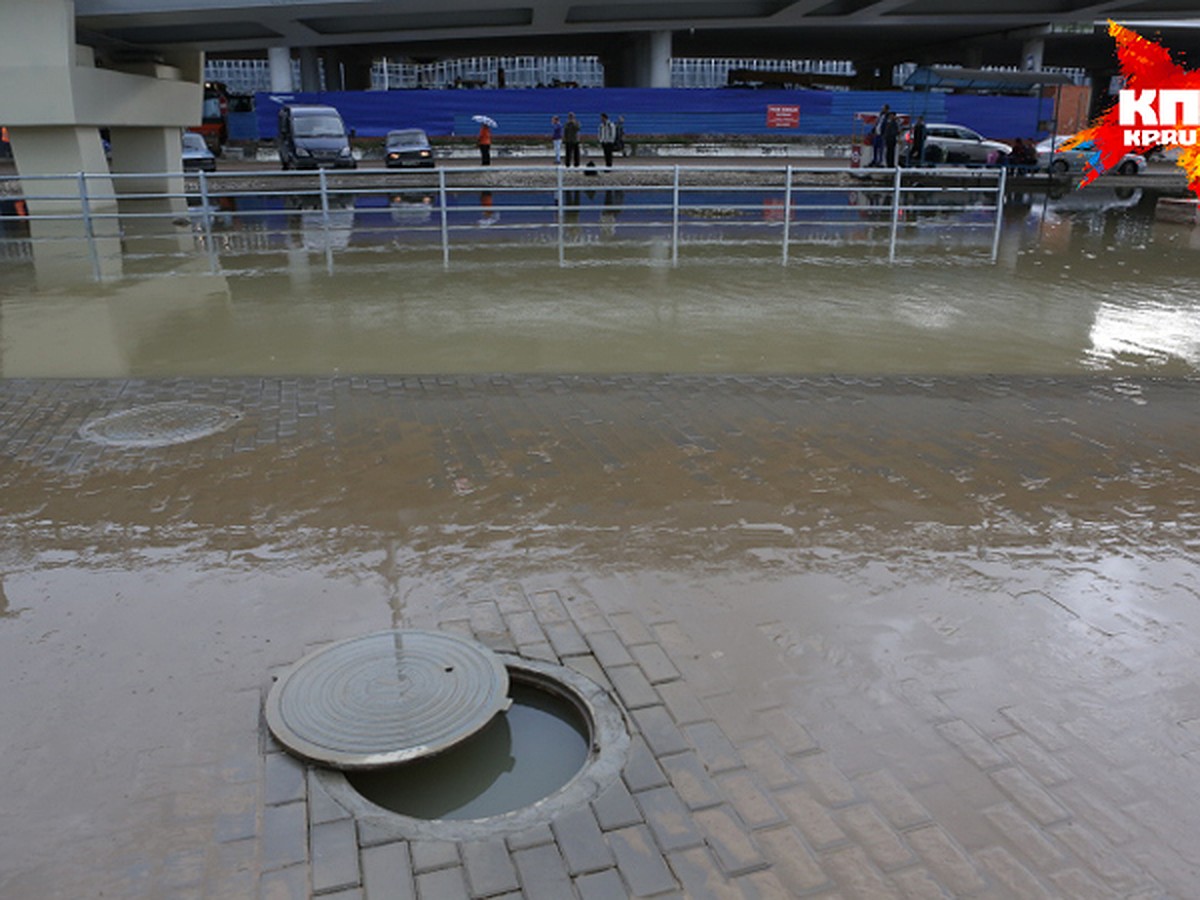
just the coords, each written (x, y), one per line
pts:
(1150, 117)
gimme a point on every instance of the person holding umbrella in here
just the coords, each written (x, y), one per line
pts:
(486, 124)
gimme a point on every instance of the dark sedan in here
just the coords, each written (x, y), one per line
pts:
(408, 147)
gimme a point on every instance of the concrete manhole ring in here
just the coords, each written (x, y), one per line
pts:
(160, 424)
(609, 743)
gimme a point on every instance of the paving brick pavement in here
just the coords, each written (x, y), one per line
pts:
(872, 637)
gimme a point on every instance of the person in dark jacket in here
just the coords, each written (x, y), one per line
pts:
(571, 140)
(877, 136)
(916, 152)
(891, 133)
(556, 138)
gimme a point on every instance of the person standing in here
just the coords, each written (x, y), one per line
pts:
(571, 140)
(877, 136)
(620, 147)
(607, 135)
(891, 134)
(556, 138)
(916, 152)
(485, 144)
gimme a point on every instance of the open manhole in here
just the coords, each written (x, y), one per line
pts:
(160, 424)
(550, 741)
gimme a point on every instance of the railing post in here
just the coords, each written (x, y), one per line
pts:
(86, 208)
(325, 220)
(895, 214)
(675, 219)
(445, 221)
(787, 214)
(562, 212)
(1001, 184)
(208, 236)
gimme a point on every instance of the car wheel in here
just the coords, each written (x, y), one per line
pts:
(1129, 167)
(1059, 167)
(934, 154)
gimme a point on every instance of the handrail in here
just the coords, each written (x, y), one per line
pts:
(784, 198)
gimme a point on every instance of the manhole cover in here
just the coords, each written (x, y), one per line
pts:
(386, 698)
(160, 424)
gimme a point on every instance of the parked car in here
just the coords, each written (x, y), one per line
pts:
(196, 155)
(957, 144)
(313, 136)
(407, 147)
(1057, 161)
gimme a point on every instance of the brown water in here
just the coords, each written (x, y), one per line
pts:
(1077, 287)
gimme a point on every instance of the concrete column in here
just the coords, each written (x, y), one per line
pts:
(155, 151)
(643, 60)
(657, 57)
(57, 150)
(280, 61)
(55, 99)
(356, 68)
(310, 70)
(1032, 52)
(332, 63)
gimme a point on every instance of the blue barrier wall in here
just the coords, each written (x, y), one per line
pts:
(653, 111)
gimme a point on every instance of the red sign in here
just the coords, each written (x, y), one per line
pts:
(779, 116)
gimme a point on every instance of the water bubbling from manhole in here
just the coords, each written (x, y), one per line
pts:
(522, 756)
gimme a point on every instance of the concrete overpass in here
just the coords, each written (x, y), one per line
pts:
(633, 37)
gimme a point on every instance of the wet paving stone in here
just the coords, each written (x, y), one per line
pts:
(909, 636)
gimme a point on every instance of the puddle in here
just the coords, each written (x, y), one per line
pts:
(524, 755)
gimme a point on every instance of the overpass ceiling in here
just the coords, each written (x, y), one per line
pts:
(879, 31)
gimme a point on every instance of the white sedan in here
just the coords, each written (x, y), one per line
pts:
(1063, 162)
(946, 142)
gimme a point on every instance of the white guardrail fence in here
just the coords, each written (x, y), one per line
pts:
(232, 217)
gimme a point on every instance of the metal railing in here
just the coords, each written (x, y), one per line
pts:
(251, 214)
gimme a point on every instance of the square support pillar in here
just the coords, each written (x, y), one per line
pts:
(61, 150)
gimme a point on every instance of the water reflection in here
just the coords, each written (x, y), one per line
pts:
(321, 223)
(1081, 283)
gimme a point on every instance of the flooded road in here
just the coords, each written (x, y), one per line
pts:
(893, 566)
(1077, 287)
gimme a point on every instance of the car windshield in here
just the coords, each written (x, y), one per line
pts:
(405, 138)
(194, 142)
(318, 126)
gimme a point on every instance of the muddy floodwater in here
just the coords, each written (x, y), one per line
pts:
(892, 566)
(1105, 285)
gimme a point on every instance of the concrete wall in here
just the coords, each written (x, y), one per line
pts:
(55, 99)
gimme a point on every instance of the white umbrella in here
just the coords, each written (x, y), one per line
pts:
(484, 120)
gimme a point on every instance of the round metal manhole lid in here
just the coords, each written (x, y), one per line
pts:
(160, 424)
(386, 698)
